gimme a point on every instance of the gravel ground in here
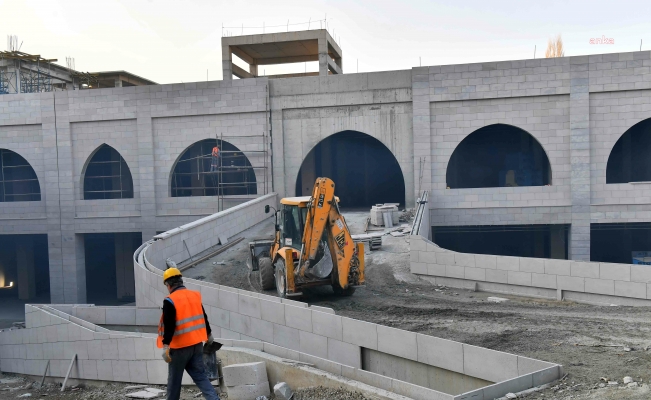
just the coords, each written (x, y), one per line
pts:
(13, 387)
(591, 342)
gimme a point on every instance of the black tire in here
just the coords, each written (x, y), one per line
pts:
(343, 292)
(267, 280)
(281, 279)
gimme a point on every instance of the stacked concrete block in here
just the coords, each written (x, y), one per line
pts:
(378, 212)
(246, 381)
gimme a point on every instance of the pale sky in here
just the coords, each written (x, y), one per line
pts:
(177, 41)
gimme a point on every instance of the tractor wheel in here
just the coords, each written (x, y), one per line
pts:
(266, 273)
(281, 279)
(343, 292)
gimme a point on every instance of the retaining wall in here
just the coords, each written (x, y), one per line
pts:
(590, 282)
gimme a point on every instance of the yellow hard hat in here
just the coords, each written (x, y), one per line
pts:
(170, 272)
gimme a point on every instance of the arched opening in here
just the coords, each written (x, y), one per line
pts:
(364, 170)
(498, 155)
(629, 159)
(198, 173)
(107, 176)
(18, 181)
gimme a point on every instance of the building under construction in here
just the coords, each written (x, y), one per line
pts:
(30, 73)
(532, 159)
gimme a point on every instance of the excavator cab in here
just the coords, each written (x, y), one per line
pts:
(312, 246)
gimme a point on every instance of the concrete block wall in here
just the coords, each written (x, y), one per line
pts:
(102, 355)
(306, 110)
(593, 282)
(149, 126)
(204, 233)
(293, 329)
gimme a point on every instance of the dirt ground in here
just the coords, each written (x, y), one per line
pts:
(13, 387)
(591, 342)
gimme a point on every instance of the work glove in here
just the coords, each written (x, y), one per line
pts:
(210, 340)
(166, 354)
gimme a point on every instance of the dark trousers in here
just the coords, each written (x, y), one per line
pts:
(188, 359)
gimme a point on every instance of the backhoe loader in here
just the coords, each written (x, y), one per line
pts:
(312, 246)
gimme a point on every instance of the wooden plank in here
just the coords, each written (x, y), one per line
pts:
(72, 362)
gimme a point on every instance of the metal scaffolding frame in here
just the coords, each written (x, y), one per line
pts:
(31, 74)
(217, 175)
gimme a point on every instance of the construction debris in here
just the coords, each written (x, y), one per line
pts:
(282, 391)
(496, 300)
(135, 387)
(143, 394)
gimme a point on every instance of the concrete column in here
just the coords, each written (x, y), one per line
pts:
(308, 176)
(227, 64)
(580, 158)
(67, 270)
(323, 57)
(423, 165)
(124, 265)
(118, 82)
(25, 266)
(147, 175)
(557, 243)
(253, 69)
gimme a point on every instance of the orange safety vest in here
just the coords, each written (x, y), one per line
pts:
(190, 324)
(215, 151)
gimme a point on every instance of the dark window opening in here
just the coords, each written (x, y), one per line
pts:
(107, 176)
(539, 241)
(627, 243)
(109, 266)
(629, 160)
(18, 181)
(364, 170)
(498, 156)
(198, 173)
(24, 260)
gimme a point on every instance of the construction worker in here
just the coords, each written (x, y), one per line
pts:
(182, 330)
(214, 163)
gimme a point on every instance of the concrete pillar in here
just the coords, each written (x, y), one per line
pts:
(67, 269)
(423, 179)
(118, 82)
(308, 176)
(124, 265)
(580, 158)
(227, 64)
(146, 175)
(323, 57)
(26, 281)
(557, 242)
(253, 69)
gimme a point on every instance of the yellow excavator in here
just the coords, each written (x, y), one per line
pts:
(312, 246)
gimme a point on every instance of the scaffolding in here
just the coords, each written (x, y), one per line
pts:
(31, 73)
(107, 176)
(233, 175)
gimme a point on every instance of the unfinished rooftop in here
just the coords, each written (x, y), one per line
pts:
(281, 48)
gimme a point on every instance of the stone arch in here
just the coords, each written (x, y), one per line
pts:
(629, 160)
(498, 155)
(18, 180)
(192, 174)
(106, 175)
(364, 170)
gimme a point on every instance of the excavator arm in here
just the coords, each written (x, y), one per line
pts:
(325, 219)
